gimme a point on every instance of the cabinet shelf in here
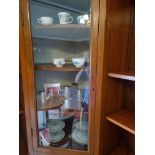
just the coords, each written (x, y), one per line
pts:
(124, 119)
(123, 75)
(68, 32)
(62, 26)
(121, 150)
(49, 66)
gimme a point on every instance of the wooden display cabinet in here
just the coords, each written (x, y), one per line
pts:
(108, 45)
(43, 43)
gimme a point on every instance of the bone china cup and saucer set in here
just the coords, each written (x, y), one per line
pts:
(64, 18)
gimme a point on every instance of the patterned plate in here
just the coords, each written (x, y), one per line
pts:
(82, 126)
(80, 136)
(57, 136)
(55, 125)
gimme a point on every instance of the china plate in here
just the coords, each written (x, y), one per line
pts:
(57, 136)
(80, 136)
(83, 126)
(56, 125)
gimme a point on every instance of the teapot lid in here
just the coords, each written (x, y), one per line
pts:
(75, 84)
(67, 85)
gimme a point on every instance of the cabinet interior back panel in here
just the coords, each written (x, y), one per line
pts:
(45, 50)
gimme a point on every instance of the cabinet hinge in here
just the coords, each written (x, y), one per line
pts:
(96, 70)
(31, 132)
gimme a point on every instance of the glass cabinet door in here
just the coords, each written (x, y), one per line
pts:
(61, 54)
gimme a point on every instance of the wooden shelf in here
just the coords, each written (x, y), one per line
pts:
(65, 68)
(68, 32)
(124, 119)
(122, 150)
(123, 75)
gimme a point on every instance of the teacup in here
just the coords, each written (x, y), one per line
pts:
(65, 18)
(59, 62)
(45, 20)
(82, 19)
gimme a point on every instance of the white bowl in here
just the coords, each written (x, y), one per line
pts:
(59, 62)
(78, 62)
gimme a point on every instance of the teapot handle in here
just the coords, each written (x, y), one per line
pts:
(71, 19)
(39, 21)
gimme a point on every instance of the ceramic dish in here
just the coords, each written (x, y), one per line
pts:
(45, 20)
(56, 125)
(57, 136)
(81, 126)
(80, 136)
(59, 62)
(78, 62)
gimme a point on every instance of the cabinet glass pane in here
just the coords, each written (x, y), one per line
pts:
(61, 52)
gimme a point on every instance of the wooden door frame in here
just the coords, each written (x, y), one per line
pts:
(95, 86)
(100, 79)
(22, 55)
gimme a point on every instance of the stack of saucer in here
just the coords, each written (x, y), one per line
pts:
(80, 132)
(56, 130)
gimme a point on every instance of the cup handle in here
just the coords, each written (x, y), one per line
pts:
(71, 19)
(62, 100)
(39, 20)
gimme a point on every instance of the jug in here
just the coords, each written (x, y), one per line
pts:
(65, 18)
(82, 19)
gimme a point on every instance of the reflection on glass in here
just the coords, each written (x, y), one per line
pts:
(61, 36)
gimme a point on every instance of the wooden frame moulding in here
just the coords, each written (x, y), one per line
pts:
(99, 82)
(23, 72)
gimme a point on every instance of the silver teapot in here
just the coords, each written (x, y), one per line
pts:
(72, 95)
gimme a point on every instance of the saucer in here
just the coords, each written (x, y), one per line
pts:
(80, 136)
(57, 136)
(56, 125)
(84, 125)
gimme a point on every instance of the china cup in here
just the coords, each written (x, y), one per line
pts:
(78, 62)
(59, 62)
(45, 20)
(82, 19)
